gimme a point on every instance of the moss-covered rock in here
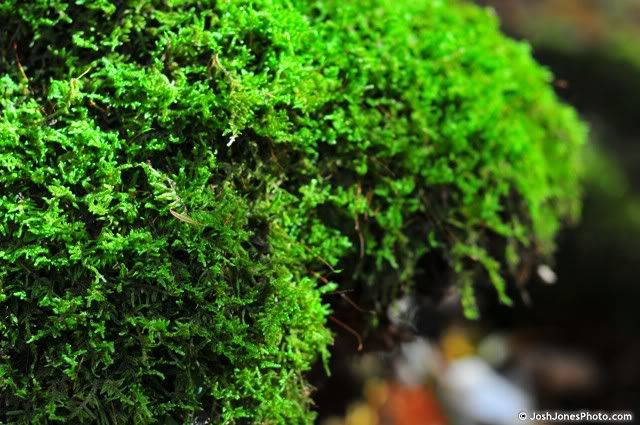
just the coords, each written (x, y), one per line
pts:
(182, 180)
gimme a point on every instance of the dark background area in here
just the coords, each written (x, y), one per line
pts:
(591, 47)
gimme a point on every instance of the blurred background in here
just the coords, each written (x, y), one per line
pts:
(573, 341)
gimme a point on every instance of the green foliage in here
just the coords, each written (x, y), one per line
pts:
(179, 177)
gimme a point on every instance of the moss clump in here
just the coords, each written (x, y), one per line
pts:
(179, 178)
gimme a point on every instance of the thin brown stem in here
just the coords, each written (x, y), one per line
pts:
(348, 329)
(354, 305)
(20, 68)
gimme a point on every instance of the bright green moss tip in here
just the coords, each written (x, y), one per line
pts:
(179, 178)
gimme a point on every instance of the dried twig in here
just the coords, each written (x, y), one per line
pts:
(185, 218)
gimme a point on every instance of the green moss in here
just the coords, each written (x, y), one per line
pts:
(178, 179)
